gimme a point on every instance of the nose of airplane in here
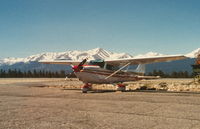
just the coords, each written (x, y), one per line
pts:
(79, 67)
(76, 68)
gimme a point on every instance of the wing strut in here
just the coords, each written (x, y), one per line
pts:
(117, 71)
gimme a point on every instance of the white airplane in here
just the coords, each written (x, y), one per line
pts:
(112, 71)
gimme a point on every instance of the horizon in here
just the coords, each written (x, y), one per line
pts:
(132, 26)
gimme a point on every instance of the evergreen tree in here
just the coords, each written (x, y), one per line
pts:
(62, 74)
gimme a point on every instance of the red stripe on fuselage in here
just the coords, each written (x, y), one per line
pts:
(107, 74)
(89, 65)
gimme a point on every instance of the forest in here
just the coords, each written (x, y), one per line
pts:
(62, 74)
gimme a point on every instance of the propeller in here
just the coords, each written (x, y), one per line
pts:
(69, 74)
(83, 62)
(78, 67)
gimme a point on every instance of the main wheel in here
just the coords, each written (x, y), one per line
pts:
(87, 87)
(197, 78)
(84, 91)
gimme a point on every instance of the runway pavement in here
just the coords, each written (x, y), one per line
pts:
(34, 106)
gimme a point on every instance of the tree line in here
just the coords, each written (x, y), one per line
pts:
(174, 74)
(31, 74)
(62, 74)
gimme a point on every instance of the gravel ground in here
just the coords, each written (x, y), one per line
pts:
(39, 104)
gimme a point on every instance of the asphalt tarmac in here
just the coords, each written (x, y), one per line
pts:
(25, 105)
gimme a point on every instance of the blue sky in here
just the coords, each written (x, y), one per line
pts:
(133, 26)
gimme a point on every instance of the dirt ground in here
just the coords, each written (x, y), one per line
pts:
(59, 104)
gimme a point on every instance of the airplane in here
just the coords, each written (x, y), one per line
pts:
(112, 71)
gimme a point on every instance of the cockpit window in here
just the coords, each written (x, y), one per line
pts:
(101, 63)
(110, 67)
(98, 62)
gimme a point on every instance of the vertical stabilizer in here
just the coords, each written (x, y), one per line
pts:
(140, 69)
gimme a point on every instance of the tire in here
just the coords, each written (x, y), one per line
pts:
(84, 91)
(197, 78)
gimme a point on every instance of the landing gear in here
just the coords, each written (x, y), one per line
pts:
(87, 87)
(121, 87)
(197, 78)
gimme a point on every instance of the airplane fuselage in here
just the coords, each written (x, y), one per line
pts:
(96, 75)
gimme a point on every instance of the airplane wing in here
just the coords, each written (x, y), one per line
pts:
(145, 60)
(65, 62)
(117, 62)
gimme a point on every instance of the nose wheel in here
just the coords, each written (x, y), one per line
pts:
(86, 87)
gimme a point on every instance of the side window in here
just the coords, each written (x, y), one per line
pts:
(111, 67)
(101, 64)
(97, 62)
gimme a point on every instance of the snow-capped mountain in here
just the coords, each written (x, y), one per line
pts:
(194, 53)
(31, 62)
(97, 53)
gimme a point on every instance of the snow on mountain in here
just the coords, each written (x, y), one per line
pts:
(10, 61)
(97, 53)
(31, 62)
(194, 53)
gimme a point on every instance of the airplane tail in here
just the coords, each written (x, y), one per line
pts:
(139, 70)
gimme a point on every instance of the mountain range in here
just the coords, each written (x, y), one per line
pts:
(31, 62)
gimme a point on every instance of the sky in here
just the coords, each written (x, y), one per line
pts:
(29, 27)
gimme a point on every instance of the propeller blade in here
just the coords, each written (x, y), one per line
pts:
(70, 75)
(80, 66)
(83, 62)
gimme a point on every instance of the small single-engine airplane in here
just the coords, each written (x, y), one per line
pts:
(112, 71)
